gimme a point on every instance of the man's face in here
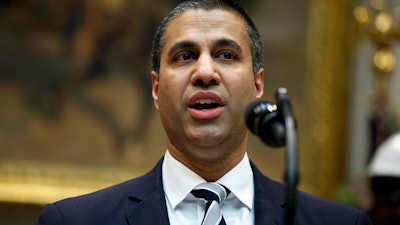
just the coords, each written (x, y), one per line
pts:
(205, 82)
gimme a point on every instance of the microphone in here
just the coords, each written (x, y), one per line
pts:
(275, 125)
(264, 119)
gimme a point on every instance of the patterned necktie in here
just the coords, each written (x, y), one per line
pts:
(214, 194)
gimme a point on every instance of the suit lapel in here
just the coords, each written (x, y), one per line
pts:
(149, 211)
(148, 200)
(269, 199)
(266, 212)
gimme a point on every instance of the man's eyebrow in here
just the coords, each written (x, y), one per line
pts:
(228, 43)
(181, 45)
(224, 42)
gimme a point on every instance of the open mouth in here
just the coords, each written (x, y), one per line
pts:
(205, 104)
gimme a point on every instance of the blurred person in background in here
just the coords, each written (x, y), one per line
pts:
(384, 174)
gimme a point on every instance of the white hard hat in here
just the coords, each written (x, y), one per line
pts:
(386, 161)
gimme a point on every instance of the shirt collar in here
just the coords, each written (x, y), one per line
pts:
(179, 181)
(240, 182)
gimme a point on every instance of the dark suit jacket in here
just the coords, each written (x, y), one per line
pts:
(141, 201)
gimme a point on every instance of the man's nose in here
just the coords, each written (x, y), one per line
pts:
(205, 72)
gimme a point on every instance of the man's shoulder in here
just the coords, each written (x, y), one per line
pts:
(105, 206)
(309, 201)
(313, 208)
(118, 193)
(310, 209)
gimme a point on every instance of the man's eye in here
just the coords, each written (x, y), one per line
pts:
(228, 55)
(184, 56)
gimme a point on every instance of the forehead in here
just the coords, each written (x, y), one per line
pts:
(198, 24)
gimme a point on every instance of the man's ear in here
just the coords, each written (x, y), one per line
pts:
(154, 87)
(259, 83)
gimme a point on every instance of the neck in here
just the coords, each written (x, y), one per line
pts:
(210, 164)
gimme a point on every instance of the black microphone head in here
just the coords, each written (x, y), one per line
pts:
(253, 112)
(263, 118)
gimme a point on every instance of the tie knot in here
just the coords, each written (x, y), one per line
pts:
(211, 192)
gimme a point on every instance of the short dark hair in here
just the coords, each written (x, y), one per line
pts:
(255, 41)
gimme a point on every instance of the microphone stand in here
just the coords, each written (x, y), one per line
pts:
(291, 175)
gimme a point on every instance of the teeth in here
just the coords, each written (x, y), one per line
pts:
(205, 101)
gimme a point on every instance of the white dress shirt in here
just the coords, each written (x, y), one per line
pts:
(184, 208)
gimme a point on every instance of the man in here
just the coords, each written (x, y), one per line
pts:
(207, 67)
